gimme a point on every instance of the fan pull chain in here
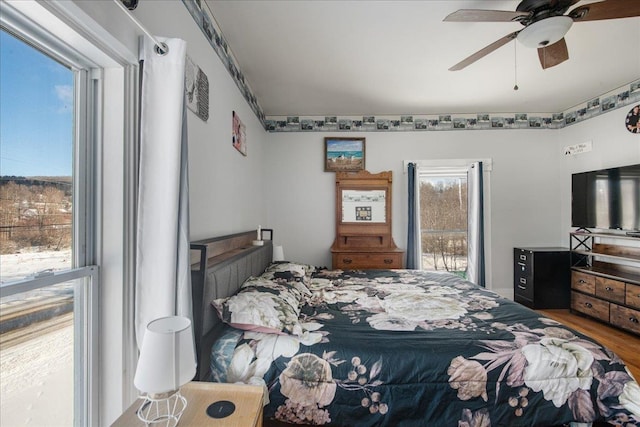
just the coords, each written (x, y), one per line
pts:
(515, 64)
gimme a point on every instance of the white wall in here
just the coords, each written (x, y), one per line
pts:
(226, 191)
(523, 195)
(529, 192)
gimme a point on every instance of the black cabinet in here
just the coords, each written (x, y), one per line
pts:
(542, 277)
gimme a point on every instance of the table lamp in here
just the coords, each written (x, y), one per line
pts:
(278, 253)
(167, 362)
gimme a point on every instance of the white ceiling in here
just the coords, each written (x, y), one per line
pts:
(321, 57)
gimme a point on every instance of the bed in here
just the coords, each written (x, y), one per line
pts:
(397, 348)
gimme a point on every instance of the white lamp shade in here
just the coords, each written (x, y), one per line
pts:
(167, 358)
(545, 32)
(278, 253)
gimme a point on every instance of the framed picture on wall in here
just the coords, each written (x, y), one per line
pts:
(239, 137)
(196, 87)
(344, 154)
(632, 121)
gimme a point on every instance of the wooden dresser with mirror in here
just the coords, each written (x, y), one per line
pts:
(363, 222)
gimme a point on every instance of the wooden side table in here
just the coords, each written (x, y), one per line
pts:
(247, 399)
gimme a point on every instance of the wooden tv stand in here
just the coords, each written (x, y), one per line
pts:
(605, 278)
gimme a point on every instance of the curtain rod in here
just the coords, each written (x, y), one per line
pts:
(161, 48)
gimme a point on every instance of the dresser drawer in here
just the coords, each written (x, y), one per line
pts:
(583, 282)
(590, 306)
(523, 257)
(522, 268)
(633, 295)
(625, 318)
(612, 290)
(367, 260)
(523, 286)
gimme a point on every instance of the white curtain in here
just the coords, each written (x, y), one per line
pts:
(163, 281)
(475, 218)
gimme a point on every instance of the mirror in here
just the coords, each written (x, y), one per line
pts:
(364, 206)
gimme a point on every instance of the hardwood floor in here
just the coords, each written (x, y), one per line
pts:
(624, 344)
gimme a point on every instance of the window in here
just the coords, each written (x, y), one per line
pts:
(48, 298)
(105, 147)
(446, 223)
(36, 191)
(443, 221)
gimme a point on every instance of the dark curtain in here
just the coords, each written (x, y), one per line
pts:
(475, 267)
(413, 233)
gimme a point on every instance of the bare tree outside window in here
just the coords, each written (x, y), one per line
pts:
(35, 213)
(443, 223)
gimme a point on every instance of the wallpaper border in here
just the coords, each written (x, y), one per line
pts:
(618, 98)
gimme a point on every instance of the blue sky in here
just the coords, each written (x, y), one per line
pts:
(36, 112)
(344, 145)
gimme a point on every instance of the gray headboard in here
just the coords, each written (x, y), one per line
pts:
(219, 266)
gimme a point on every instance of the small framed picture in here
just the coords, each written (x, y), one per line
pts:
(344, 154)
(632, 121)
(196, 87)
(238, 135)
(363, 213)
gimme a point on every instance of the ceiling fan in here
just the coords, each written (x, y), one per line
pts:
(545, 25)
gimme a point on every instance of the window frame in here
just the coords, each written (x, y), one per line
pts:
(85, 140)
(116, 154)
(85, 305)
(441, 167)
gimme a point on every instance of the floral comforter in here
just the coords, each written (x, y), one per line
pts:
(411, 348)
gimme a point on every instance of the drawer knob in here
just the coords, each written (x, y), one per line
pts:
(388, 261)
(347, 260)
(633, 320)
(609, 288)
(582, 281)
(523, 257)
(523, 280)
(524, 288)
(588, 304)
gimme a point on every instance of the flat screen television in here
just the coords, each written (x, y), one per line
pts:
(606, 199)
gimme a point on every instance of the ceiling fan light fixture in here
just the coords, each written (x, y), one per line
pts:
(545, 32)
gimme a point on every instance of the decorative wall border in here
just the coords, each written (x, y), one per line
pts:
(605, 103)
(595, 107)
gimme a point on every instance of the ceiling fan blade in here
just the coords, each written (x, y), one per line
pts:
(484, 51)
(561, 6)
(554, 54)
(610, 9)
(479, 15)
